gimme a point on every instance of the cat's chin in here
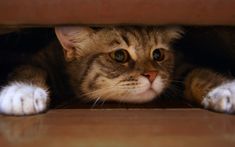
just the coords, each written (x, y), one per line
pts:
(151, 91)
(146, 96)
(143, 97)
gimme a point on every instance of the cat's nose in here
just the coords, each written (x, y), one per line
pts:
(151, 75)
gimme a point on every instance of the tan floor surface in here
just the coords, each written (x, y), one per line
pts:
(119, 127)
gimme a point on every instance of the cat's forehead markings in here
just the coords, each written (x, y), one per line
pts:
(162, 45)
(132, 52)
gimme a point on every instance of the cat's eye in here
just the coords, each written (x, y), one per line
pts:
(120, 55)
(158, 55)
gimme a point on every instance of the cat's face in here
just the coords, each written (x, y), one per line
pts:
(128, 64)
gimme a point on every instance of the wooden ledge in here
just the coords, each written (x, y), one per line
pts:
(55, 12)
(120, 127)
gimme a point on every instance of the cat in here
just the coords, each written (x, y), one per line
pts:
(125, 64)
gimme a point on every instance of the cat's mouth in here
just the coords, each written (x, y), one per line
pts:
(143, 97)
(150, 91)
(146, 96)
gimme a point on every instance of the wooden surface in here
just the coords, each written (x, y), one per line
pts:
(119, 127)
(53, 12)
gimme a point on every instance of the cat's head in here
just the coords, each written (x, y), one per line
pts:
(128, 64)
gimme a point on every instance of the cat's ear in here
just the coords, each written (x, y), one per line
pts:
(174, 33)
(70, 36)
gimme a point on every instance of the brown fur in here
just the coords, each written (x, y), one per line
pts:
(200, 81)
(92, 74)
(96, 69)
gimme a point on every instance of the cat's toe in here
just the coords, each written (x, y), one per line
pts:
(40, 100)
(221, 99)
(23, 99)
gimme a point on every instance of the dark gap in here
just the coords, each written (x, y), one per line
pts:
(210, 47)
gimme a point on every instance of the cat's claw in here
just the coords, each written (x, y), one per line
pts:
(221, 98)
(23, 99)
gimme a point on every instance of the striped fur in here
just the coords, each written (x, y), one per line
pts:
(85, 67)
(101, 77)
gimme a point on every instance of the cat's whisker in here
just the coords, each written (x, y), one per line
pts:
(96, 91)
(177, 81)
(102, 93)
(95, 102)
(102, 104)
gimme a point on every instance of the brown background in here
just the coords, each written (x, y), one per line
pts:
(53, 12)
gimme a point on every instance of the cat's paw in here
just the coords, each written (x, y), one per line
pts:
(221, 98)
(23, 99)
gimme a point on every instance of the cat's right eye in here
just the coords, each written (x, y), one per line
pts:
(120, 55)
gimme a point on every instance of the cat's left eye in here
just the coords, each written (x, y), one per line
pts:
(157, 54)
(120, 55)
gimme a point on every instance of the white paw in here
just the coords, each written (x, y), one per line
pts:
(23, 99)
(221, 98)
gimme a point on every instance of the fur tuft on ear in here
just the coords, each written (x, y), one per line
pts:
(174, 32)
(69, 36)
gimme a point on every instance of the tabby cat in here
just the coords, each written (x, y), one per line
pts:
(127, 64)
